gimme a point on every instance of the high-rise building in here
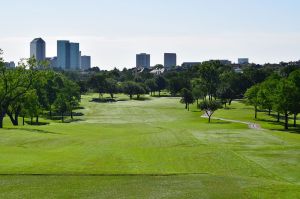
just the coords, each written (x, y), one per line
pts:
(63, 54)
(143, 60)
(85, 62)
(38, 49)
(170, 60)
(52, 62)
(74, 56)
(243, 61)
(10, 64)
(190, 64)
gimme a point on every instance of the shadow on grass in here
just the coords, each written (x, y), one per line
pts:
(292, 129)
(37, 123)
(68, 121)
(57, 117)
(103, 100)
(34, 130)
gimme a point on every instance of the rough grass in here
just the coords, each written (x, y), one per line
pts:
(148, 149)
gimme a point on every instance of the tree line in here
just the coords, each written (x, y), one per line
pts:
(279, 93)
(28, 91)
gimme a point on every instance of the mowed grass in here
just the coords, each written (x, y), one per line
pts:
(148, 149)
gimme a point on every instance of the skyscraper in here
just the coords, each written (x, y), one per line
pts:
(170, 60)
(74, 56)
(143, 60)
(85, 62)
(243, 61)
(38, 49)
(63, 54)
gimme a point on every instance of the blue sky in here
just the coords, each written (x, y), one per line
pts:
(113, 31)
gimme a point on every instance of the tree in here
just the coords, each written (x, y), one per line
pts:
(285, 95)
(187, 98)
(266, 94)
(129, 88)
(31, 105)
(295, 78)
(152, 85)
(229, 87)
(209, 107)
(161, 84)
(14, 83)
(252, 97)
(97, 82)
(209, 76)
(61, 104)
(111, 87)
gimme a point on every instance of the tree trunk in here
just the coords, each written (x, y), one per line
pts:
(1, 120)
(62, 117)
(50, 112)
(286, 125)
(295, 120)
(209, 118)
(31, 120)
(255, 112)
(37, 120)
(159, 93)
(188, 106)
(12, 119)
(23, 120)
(112, 96)
(197, 102)
(278, 117)
(130, 96)
(72, 114)
(269, 111)
(230, 101)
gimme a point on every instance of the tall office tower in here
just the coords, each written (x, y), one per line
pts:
(63, 54)
(52, 62)
(74, 56)
(170, 60)
(10, 64)
(243, 61)
(85, 62)
(38, 49)
(143, 60)
(79, 59)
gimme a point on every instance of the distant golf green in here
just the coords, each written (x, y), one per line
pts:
(150, 149)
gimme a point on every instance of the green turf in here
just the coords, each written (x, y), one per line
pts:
(148, 149)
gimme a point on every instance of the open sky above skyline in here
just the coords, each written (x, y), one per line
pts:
(113, 31)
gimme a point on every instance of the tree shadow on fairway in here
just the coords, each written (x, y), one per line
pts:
(34, 130)
(280, 125)
(37, 123)
(103, 100)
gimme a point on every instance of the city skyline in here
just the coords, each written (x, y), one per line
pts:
(202, 31)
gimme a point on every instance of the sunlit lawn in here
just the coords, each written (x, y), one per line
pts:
(151, 148)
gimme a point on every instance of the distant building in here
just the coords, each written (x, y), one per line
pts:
(157, 71)
(243, 61)
(74, 56)
(10, 64)
(85, 62)
(52, 62)
(38, 49)
(63, 54)
(190, 64)
(143, 60)
(170, 60)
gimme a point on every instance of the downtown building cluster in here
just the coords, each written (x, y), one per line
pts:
(68, 55)
(143, 60)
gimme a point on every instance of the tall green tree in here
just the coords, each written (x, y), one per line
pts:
(252, 98)
(209, 107)
(187, 98)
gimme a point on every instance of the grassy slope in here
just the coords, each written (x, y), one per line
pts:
(149, 149)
